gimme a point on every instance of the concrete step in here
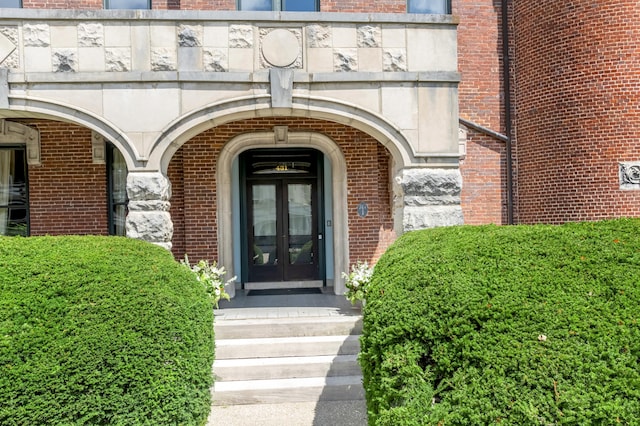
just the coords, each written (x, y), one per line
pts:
(342, 388)
(279, 347)
(288, 327)
(286, 368)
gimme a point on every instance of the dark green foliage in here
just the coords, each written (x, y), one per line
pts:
(522, 325)
(97, 330)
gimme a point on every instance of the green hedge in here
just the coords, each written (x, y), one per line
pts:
(97, 330)
(526, 325)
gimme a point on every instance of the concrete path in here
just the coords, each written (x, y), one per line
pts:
(317, 413)
(322, 413)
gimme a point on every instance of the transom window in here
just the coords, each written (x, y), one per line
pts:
(11, 3)
(126, 4)
(429, 6)
(118, 201)
(14, 196)
(282, 5)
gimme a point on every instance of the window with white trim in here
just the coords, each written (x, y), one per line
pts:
(280, 5)
(14, 195)
(429, 6)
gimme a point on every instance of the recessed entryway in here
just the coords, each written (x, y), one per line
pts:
(282, 218)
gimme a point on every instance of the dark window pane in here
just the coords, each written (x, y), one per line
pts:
(17, 223)
(118, 201)
(299, 5)
(14, 214)
(256, 5)
(127, 4)
(10, 3)
(429, 6)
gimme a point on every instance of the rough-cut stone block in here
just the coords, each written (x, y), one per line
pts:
(189, 36)
(215, 60)
(345, 60)
(65, 60)
(36, 35)
(318, 35)
(430, 184)
(152, 226)
(415, 218)
(152, 205)
(163, 59)
(241, 36)
(394, 60)
(118, 59)
(90, 35)
(148, 186)
(369, 36)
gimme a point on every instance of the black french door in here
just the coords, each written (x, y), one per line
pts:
(281, 208)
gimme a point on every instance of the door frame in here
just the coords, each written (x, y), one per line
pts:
(319, 279)
(226, 208)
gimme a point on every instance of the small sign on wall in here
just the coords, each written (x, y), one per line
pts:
(363, 209)
(630, 175)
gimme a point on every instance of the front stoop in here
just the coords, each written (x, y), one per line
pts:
(284, 360)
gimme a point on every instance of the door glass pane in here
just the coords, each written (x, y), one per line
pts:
(299, 5)
(300, 223)
(255, 5)
(264, 218)
(429, 6)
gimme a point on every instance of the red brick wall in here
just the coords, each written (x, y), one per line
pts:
(363, 6)
(195, 217)
(62, 4)
(384, 6)
(480, 97)
(578, 109)
(484, 181)
(67, 193)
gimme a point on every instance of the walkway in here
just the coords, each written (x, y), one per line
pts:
(288, 305)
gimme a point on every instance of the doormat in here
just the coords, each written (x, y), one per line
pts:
(284, 291)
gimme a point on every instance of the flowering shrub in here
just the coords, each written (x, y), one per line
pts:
(357, 281)
(212, 278)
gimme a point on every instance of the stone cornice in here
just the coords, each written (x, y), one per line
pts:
(230, 77)
(226, 16)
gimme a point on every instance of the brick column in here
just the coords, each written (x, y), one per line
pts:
(429, 198)
(149, 219)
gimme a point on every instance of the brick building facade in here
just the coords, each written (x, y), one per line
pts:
(409, 120)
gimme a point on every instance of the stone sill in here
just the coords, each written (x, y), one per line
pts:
(227, 16)
(231, 77)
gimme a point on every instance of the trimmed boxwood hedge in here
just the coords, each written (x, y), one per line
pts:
(522, 325)
(97, 330)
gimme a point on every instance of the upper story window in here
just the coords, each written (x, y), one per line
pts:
(429, 6)
(10, 3)
(126, 4)
(282, 5)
